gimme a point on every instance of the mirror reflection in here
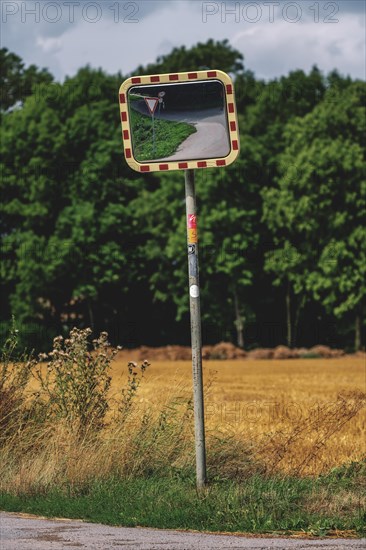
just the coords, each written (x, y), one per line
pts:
(179, 121)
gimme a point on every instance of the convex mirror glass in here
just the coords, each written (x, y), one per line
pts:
(168, 124)
(178, 121)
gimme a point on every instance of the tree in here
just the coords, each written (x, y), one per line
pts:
(209, 55)
(87, 241)
(66, 228)
(318, 208)
(277, 102)
(16, 81)
(228, 218)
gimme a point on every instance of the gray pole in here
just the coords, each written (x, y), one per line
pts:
(194, 302)
(153, 129)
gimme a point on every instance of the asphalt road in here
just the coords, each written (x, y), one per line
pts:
(210, 140)
(22, 532)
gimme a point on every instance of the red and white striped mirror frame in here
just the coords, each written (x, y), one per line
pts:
(171, 78)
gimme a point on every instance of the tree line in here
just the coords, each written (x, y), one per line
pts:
(87, 242)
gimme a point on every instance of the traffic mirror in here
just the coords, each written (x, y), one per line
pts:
(179, 121)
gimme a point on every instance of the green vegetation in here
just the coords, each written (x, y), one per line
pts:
(88, 242)
(18, 82)
(257, 505)
(168, 136)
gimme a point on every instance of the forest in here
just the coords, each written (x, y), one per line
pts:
(87, 242)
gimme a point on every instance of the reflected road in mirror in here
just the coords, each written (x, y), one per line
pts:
(175, 122)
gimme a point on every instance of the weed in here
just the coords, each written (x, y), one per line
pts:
(135, 375)
(76, 382)
(15, 372)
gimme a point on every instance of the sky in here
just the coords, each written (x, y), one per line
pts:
(274, 37)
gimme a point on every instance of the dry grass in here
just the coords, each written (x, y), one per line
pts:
(300, 417)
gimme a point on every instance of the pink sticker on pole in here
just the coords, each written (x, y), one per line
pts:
(192, 221)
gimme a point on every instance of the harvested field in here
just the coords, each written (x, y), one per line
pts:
(295, 411)
(297, 417)
(227, 350)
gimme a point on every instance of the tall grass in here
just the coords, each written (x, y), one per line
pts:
(71, 431)
(302, 444)
(15, 373)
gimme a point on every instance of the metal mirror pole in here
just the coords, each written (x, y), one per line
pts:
(196, 339)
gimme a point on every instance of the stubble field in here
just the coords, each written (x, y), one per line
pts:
(299, 415)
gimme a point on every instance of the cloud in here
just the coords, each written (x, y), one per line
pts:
(275, 49)
(49, 45)
(327, 6)
(119, 36)
(352, 6)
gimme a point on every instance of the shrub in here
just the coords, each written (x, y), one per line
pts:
(75, 383)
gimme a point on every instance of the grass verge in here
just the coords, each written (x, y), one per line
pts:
(168, 136)
(330, 505)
